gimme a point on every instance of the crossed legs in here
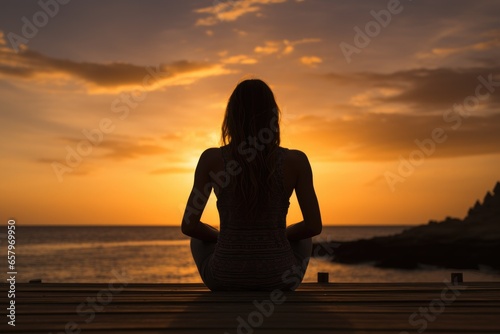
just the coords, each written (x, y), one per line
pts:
(203, 250)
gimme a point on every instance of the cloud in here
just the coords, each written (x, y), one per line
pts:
(102, 78)
(127, 149)
(231, 10)
(283, 47)
(290, 45)
(240, 33)
(269, 47)
(115, 148)
(239, 59)
(119, 148)
(444, 52)
(423, 89)
(492, 41)
(384, 137)
(311, 61)
(172, 170)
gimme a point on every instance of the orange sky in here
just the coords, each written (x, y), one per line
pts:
(154, 78)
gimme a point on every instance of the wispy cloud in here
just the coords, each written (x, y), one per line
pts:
(424, 90)
(102, 78)
(231, 10)
(268, 48)
(117, 148)
(283, 47)
(114, 150)
(127, 149)
(490, 40)
(311, 61)
(383, 137)
(239, 59)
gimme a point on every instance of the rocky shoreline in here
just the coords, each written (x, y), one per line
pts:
(469, 243)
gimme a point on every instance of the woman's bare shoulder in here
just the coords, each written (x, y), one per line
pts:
(296, 156)
(210, 156)
(211, 152)
(297, 161)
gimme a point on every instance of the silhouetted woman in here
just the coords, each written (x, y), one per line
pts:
(253, 179)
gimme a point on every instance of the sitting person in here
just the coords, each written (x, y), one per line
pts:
(253, 178)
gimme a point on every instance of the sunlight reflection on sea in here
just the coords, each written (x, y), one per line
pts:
(162, 255)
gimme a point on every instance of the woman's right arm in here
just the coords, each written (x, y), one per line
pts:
(308, 202)
(202, 187)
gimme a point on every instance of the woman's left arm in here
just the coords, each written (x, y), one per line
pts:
(202, 187)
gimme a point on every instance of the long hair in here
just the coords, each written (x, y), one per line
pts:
(251, 129)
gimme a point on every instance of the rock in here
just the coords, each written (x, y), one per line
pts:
(468, 243)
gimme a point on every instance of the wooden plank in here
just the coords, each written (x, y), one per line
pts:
(313, 308)
(327, 298)
(295, 320)
(201, 287)
(230, 331)
(308, 307)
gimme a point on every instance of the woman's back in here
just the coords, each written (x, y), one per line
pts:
(292, 162)
(252, 251)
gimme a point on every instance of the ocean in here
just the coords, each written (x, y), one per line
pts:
(147, 254)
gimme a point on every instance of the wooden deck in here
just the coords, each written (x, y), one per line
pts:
(313, 308)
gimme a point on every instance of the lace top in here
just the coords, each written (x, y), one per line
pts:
(253, 254)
